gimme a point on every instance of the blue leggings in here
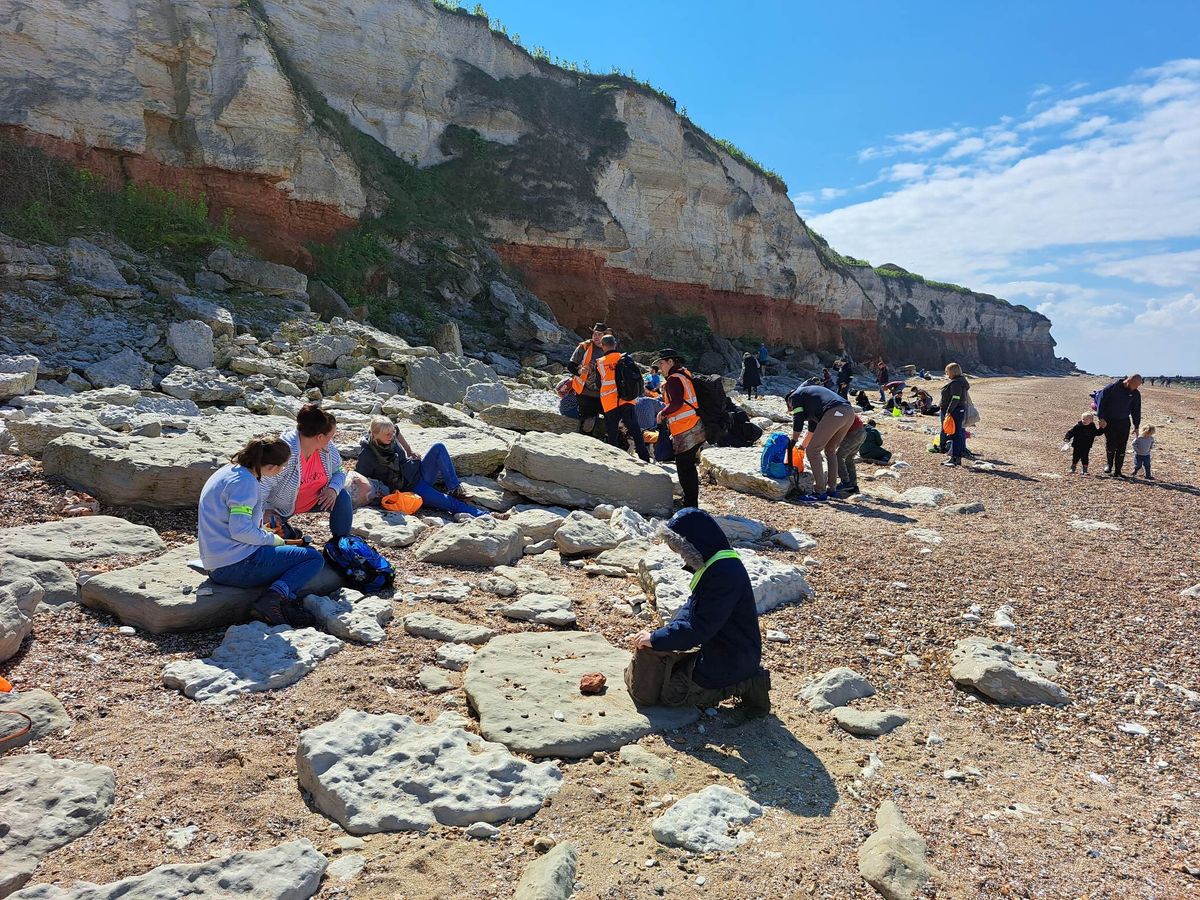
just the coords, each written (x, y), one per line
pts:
(285, 569)
(340, 517)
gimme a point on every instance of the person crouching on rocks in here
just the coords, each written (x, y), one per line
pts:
(235, 548)
(719, 618)
(312, 478)
(385, 456)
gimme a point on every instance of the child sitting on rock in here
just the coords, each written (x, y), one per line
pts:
(1081, 436)
(236, 549)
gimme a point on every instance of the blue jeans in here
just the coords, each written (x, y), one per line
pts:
(340, 517)
(436, 466)
(958, 440)
(1141, 461)
(285, 569)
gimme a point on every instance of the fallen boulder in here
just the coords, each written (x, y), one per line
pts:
(382, 528)
(517, 416)
(542, 609)
(479, 542)
(437, 628)
(59, 589)
(837, 687)
(33, 432)
(473, 451)
(168, 594)
(582, 534)
(1006, 673)
(592, 468)
(45, 804)
(46, 715)
(18, 601)
(373, 773)
(79, 540)
(547, 491)
(270, 278)
(18, 376)
(667, 583)
(737, 469)
(525, 688)
(552, 877)
(350, 615)
(445, 379)
(707, 821)
(892, 860)
(288, 872)
(252, 658)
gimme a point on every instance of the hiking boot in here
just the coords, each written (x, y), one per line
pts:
(851, 490)
(1072, 470)
(953, 461)
(755, 701)
(268, 608)
(1085, 470)
(297, 616)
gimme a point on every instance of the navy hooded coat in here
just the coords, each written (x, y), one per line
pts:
(720, 616)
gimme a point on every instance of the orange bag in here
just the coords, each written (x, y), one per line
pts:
(948, 426)
(798, 458)
(402, 501)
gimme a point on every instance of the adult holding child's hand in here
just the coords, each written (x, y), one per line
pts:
(1117, 405)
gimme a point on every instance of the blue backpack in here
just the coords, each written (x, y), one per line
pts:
(360, 564)
(773, 461)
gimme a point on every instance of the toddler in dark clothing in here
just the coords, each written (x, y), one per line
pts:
(1082, 436)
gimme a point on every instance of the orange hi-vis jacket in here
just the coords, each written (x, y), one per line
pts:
(609, 398)
(580, 380)
(687, 415)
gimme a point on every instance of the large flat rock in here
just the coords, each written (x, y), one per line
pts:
(287, 872)
(44, 710)
(517, 416)
(593, 468)
(59, 589)
(18, 601)
(737, 469)
(518, 682)
(480, 542)
(1006, 673)
(45, 804)
(80, 540)
(373, 773)
(252, 658)
(166, 594)
(475, 451)
(384, 528)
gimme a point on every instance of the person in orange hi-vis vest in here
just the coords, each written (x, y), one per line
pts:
(617, 412)
(682, 415)
(586, 380)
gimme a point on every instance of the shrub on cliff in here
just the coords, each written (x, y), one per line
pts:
(46, 199)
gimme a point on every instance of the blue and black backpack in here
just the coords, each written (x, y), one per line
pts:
(360, 564)
(774, 462)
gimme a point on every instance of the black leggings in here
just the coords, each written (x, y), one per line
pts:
(689, 476)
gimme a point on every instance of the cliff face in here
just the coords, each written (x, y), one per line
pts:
(613, 206)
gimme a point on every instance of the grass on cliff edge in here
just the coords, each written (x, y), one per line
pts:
(48, 200)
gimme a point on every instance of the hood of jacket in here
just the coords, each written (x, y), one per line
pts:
(694, 535)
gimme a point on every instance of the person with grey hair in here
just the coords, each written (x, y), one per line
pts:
(719, 618)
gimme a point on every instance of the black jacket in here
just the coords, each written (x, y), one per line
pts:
(751, 372)
(1082, 436)
(954, 395)
(1117, 402)
(720, 616)
(811, 401)
(390, 464)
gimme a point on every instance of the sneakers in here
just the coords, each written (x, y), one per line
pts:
(851, 490)
(268, 608)
(812, 498)
(952, 461)
(1072, 470)
(1085, 470)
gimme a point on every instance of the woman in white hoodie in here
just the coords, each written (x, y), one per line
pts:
(235, 548)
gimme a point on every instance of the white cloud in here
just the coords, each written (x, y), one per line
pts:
(1088, 127)
(979, 207)
(1161, 269)
(1182, 312)
(830, 193)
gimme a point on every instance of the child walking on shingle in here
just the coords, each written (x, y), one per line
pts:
(1142, 445)
(1081, 436)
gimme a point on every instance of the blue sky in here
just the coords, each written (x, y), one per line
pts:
(1046, 152)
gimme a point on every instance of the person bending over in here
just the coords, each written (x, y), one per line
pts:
(385, 456)
(235, 548)
(829, 418)
(719, 618)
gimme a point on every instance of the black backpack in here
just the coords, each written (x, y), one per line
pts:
(629, 378)
(711, 406)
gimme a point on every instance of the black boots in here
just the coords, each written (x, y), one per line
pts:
(755, 700)
(273, 609)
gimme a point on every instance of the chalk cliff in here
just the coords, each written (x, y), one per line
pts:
(612, 204)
